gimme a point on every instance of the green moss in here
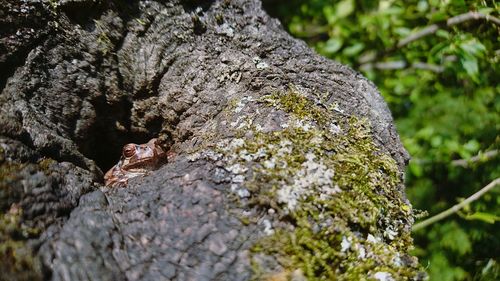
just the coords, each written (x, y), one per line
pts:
(54, 6)
(105, 44)
(45, 164)
(11, 189)
(18, 261)
(297, 104)
(9, 174)
(336, 187)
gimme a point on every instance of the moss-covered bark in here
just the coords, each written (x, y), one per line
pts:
(340, 193)
(18, 261)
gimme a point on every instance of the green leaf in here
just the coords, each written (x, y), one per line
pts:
(422, 6)
(455, 238)
(486, 217)
(441, 269)
(438, 16)
(472, 146)
(392, 11)
(443, 33)
(329, 14)
(470, 66)
(436, 141)
(473, 47)
(345, 8)
(333, 45)
(402, 31)
(486, 10)
(354, 49)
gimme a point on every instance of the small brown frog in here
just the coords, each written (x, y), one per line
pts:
(136, 160)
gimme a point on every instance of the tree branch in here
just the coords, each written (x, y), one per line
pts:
(482, 156)
(472, 16)
(401, 64)
(420, 34)
(456, 207)
(431, 29)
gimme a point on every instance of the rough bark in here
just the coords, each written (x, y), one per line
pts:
(81, 78)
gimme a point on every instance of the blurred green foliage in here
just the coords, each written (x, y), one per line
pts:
(443, 90)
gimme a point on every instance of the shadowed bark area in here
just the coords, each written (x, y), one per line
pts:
(222, 85)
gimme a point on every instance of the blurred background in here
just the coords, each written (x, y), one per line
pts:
(436, 62)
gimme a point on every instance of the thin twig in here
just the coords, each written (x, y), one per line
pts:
(431, 29)
(482, 156)
(417, 35)
(472, 16)
(401, 64)
(456, 207)
(391, 65)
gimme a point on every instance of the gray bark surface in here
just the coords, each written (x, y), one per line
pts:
(81, 79)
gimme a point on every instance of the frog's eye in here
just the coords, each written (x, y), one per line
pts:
(129, 150)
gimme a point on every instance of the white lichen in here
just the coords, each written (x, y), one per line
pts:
(259, 63)
(397, 260)
(334, 129)
(240, 191)
(243, 193)
(345, 244)
(245, 155)
(193, 156)
(372, 239)
(207, 154)
(383, 276)
(303, 124)
(236, 143)
(242, 103)
(268, 227)
(289, 196)
(268, 164)
(361, 252)
(327, 191)
(237, 168)
(238, 179)
(314, 177)
(237, 121)
(245, 124)
(390, 233)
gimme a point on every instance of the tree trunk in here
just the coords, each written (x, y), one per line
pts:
(286, 164)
